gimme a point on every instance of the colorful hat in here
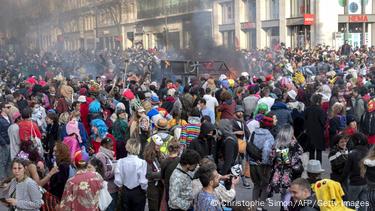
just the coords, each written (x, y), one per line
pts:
(81, 157)
(267, 121)
(162, 124)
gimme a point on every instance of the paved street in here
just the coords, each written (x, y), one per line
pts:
(246, 194)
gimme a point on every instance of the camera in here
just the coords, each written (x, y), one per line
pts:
(236, 171)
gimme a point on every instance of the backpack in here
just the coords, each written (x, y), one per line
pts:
(252, 150)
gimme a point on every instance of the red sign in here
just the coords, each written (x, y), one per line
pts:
(308, 19)
(358, 18)
(248, 25)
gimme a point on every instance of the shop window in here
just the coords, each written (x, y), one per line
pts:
(341, 27)
(357, 28)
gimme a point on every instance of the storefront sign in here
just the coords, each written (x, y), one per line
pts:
(308, 19)
(358, 18)
(247, 25)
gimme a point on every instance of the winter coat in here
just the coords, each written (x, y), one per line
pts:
(263, 140)
(243, 127)
(367, 124)
(62, 106)
(4, 125)
(227, 109)
(358, 107)
(58, 180)
(335, 127)
(337, 158)
(315, 119)
(227, 147)
(51, 137)
(203, 145)
(286, 167)
(187, 105)
(14, 137)
(352, 167)
(283, 114)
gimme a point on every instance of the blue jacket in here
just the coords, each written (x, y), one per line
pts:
(283, 114)
(4, 125)
(264, 141)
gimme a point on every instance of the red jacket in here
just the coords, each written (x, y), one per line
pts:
(227, 111)
(28, 129)
(96, 145)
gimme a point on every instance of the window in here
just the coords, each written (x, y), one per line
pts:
(251, 11)
(272, 9)
(228, 39)
(227, 13)
(299, 7)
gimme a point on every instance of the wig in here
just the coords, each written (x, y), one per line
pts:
(102, 127)
(94, 107)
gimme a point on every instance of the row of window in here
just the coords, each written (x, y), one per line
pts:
(104, 19)
(298, 8)
(75, 4)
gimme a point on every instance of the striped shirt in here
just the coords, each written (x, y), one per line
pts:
(190, 132)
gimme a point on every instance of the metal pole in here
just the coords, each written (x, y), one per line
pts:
(166, 25)
(96, 28)
(125, 74)
(364, 23)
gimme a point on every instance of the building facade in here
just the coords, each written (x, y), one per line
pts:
(173, 24)
(184, 24)
(109, 24)
(250, 24)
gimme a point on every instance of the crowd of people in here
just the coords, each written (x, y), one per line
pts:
(105, 143)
